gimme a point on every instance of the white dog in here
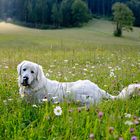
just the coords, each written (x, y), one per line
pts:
(36, 87)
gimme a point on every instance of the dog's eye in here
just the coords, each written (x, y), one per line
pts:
(24, 69)
(32, 71)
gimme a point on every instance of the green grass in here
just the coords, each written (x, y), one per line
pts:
(92, 52)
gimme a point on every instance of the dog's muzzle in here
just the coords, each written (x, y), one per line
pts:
(25, 81)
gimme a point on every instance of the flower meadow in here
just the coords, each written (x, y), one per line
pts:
(70, 55)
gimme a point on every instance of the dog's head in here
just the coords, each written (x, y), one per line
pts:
(29, 73)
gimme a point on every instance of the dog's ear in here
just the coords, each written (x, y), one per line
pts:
(40, 73)
(19, 67)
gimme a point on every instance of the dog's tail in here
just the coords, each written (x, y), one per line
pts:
(133, 89)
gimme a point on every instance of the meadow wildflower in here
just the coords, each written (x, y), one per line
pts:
(50, 71)
(70, 111)
(70, 72)
(100, 114)
(132, 130)
(127, 115)
(35, 106)
(59, 74)
(136, 122)
(135, 117)
(112, 70)
(133, 138)
(120, 138)
(5, 102)
(123, 61)
(112, 74)
(10, 99)
(52, 66)
(117, 68)
(132, 65)
(66, 61)
(6, 67)
(79, 109)
(91, 136)
(129, 123)
(110, 67)
(111, 130)
(92, 67)
(76, 64)
(58, 111)
(85, 69)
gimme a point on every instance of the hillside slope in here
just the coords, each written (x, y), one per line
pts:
(96, 32)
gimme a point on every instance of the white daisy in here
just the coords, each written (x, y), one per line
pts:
(58, 111)
(76, 64)
(5, 102)
(10, 99)
(129, 123)
(112, 74)
(85, 69)
(52, 66)
(92, 67)
(6, 67)
(127, 115)
(66, 61)
(35, 106)
(50, 71)
(110, 67)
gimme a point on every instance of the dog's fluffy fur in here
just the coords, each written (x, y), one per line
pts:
(37, 87)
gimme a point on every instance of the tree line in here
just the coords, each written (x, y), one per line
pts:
(62, 13)
(53, 13)
(103, 8)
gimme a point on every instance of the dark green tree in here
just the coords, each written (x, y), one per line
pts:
(29, 8)
(66, 12)
(45, 12)
(123, 18)
(37, 13)
(56, 15)
(134, 5)
(80, 12)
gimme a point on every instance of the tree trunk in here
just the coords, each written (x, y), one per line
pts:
(118, 29)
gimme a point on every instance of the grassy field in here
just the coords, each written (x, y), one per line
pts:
(90, 52)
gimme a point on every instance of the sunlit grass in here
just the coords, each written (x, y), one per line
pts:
(68, 55)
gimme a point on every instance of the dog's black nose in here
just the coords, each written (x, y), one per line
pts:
(25, 81)
(25, 78)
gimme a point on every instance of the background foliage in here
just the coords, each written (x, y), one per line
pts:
(58, 13)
